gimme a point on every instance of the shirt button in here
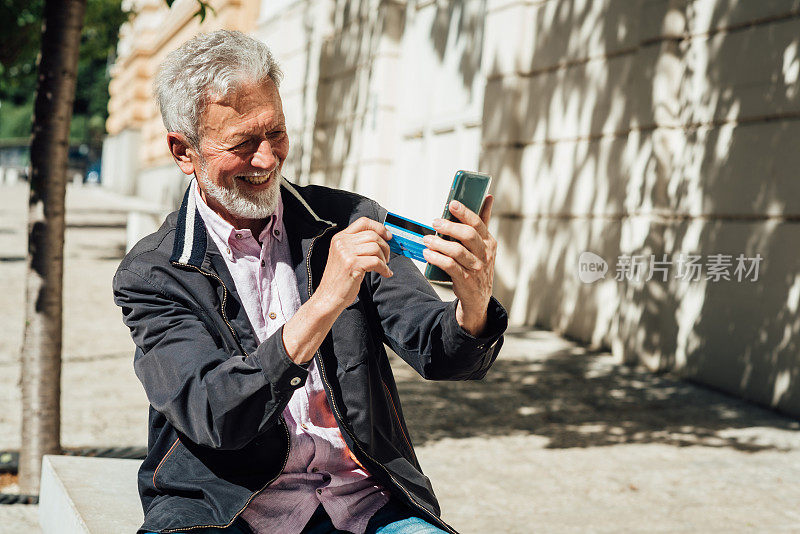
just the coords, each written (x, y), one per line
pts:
(319, 492)
(295, 381)
(314, 469)
(303, 426)
(276, 232)
(263, 263)
(228, 249)
(272, 315)
(238, 236)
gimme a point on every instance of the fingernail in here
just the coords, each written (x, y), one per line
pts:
(455, 205)
(437, 222)
(389, 234)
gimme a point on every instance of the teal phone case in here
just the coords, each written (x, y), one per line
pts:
(469, 188)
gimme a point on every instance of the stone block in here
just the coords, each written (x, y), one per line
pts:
(89, 495)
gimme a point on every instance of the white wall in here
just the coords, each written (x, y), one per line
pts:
(120, 161)
(642, 127)
(649, 128)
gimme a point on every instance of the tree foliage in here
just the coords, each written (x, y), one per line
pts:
(20, 41)
(20, 36)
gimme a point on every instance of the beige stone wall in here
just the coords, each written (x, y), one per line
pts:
(340, 59)
(637, 128)
(382, 97)
(650, 128)
(144, 42)
(641, 128)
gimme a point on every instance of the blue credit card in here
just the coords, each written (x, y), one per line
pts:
(407, 236)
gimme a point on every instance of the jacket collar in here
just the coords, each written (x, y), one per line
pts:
(191, 237)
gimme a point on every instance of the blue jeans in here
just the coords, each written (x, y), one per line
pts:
(393, 518)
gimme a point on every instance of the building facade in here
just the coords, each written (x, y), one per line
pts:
(655, 134)
(136, 159)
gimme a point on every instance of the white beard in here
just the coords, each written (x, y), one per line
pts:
(242, 203)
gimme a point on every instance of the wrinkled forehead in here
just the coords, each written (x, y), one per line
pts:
(249, 107)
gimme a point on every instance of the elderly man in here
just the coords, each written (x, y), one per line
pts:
(260, 310)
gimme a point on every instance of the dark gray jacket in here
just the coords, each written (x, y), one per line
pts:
(216, 434)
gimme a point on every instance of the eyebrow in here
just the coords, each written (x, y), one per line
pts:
(252, 131)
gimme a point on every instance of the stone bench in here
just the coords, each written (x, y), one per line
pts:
(89, 495)
(143, 220)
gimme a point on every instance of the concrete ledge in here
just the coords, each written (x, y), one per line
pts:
(142, 223)
(89, 495)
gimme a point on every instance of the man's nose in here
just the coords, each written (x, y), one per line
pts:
(264, 157)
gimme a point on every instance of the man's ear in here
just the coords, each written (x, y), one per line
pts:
(183, 154)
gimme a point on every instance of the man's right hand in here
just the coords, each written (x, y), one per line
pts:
(358, 249)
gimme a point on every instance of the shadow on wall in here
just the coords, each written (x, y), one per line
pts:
(354, 102)
(654, 128)
(457, 20)
(579, 398)
(343, 92)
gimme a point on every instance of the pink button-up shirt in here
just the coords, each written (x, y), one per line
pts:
(320, 468)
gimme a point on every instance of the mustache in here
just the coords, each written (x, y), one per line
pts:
(253, 174)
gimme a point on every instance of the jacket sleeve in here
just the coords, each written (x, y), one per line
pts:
(424, 331)
(214, 397)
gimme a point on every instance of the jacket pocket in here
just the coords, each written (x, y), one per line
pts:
(193, 470)
(163, 465)
(181, 472)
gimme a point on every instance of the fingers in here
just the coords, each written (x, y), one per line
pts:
(362, 247)
(469, 259)
(364, 223)
(365, 243)
(446, 263)
(370, 236)
(468, 217)
(466, 234)
(372, 248)
(375, 264)
(454, 250)
(358, 258)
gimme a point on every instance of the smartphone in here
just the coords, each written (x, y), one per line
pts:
(469, 188)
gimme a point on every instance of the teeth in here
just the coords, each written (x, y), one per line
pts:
(255, 180)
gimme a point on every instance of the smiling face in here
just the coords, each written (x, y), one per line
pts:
(243, 145)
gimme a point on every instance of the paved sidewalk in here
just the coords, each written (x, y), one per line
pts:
(555, 439)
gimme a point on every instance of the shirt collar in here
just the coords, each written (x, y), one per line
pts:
(190, 246)
(225, 231)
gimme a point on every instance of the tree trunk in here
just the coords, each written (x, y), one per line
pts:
(41, 349)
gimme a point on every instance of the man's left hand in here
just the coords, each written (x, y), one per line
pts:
(469, 260)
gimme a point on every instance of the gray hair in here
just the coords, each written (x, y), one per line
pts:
(208, 65)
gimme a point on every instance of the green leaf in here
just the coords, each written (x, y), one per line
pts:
(201, 11)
